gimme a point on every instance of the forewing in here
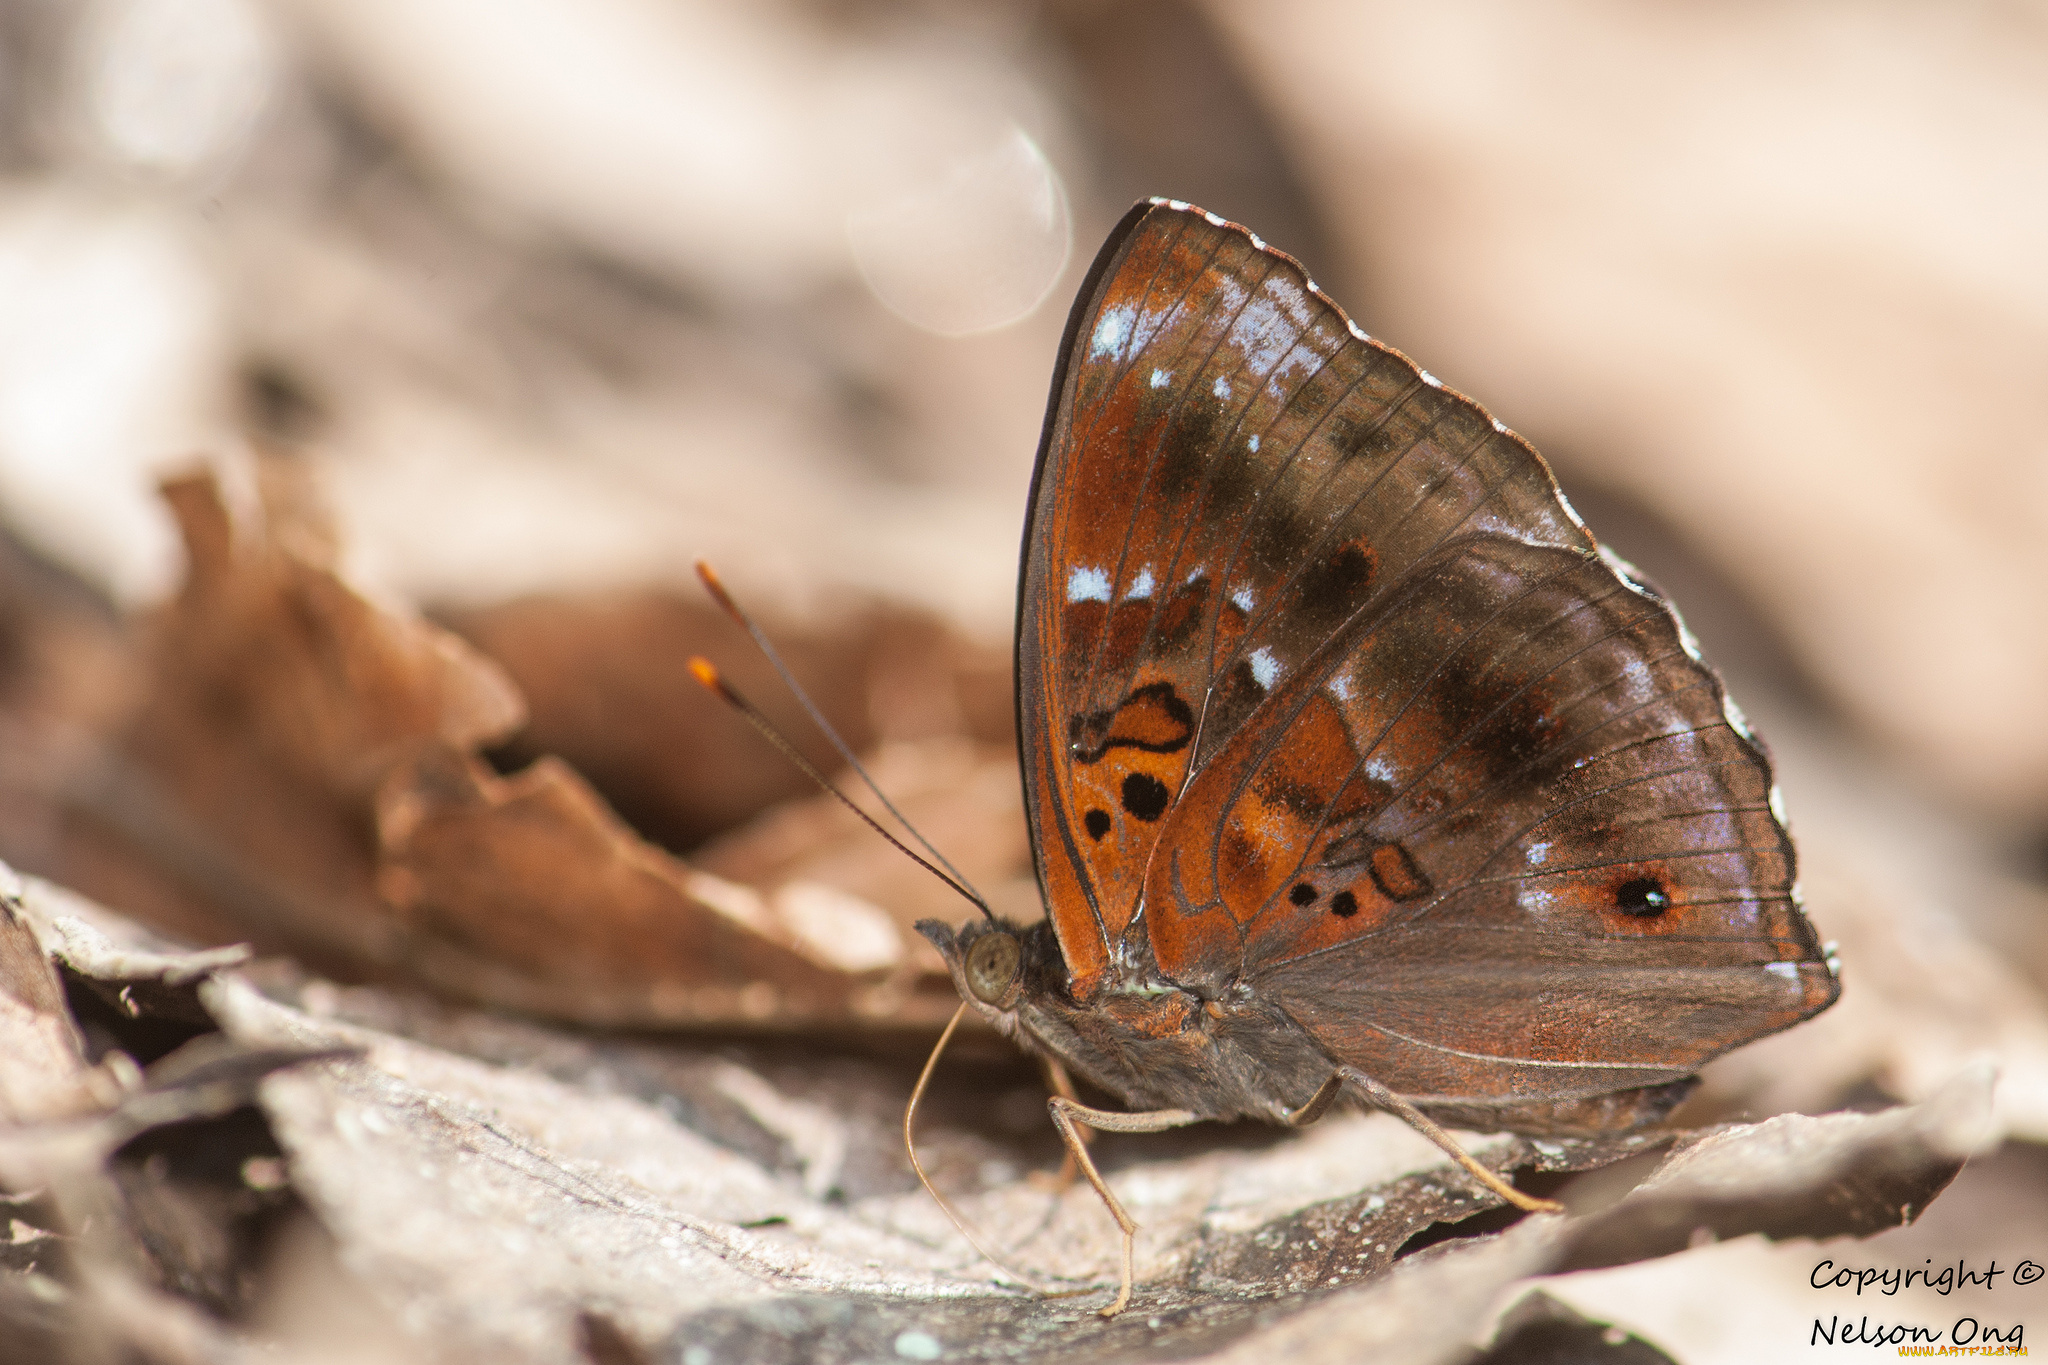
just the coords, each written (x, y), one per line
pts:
(1230, 474)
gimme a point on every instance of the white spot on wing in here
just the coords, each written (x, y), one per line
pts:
(1222, 386)
(1778, 805)
(1141, 586)
(1113, 330)
(1641, 685)
(1252, 442)
(1087, 585)
(1161, 378)
(1214, 221)
(1263, 332)
(1178, 205)
(1340, 688)
(1537, 853)
(1498, 427)
(1194, 573)
(1788, 970)
(1242, 599)
(1265, 668)
(1257, 241)
(1356, 330)
(1431, 380)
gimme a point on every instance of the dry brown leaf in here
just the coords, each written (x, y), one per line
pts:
(305, 772)
(528, 892)
(607, 683)
(268, 642)
(275, 699)
(42, 1062)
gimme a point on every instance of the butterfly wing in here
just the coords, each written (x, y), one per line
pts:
(1317, 666)
(1111, 647)
(1543, 863)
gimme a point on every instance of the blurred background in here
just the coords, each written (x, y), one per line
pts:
(562, 296)
(549, 299)
(552, 299)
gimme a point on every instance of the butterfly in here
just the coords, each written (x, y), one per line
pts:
(1353, 762)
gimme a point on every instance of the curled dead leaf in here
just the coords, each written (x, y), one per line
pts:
(528, 891)
(332, 688)
(307, 772)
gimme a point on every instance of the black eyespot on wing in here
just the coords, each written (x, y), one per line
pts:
(1096, 822)
(1644, 896)
(1302, 894)
(1145, 796)
(1343, 905)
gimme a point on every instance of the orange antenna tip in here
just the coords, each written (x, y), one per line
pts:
(708, 576)
(706, 673)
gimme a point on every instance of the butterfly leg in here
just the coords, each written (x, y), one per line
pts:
(1318, 1104)
(1066, 1115)
(1383, 1098)
(1057, 1081)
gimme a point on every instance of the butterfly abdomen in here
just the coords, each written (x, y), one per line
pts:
(1171, 1049)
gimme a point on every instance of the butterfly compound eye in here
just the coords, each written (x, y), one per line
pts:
(992, 966)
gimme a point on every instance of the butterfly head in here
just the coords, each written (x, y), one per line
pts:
(994, 963)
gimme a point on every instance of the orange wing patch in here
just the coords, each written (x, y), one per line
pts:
(1152, 718)
(1395, 874)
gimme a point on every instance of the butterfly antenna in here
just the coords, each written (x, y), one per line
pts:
(709, 578)
(705, 673)
(924, 1077)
